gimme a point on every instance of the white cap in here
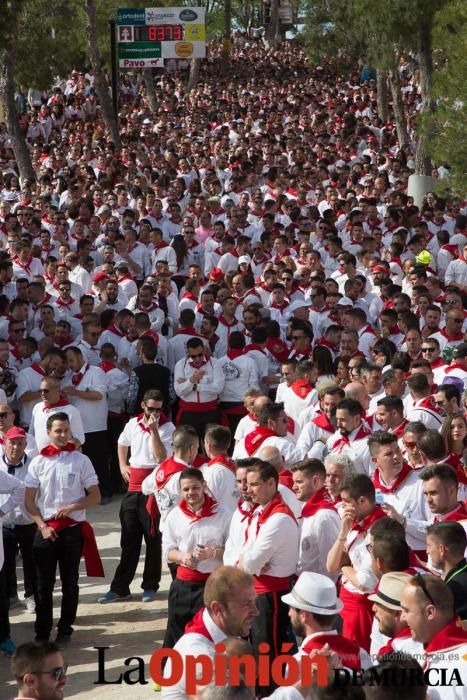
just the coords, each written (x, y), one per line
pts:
(345, 301)
(299, 304)
(314, 593)
(244, 259)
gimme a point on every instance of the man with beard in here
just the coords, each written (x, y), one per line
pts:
(320, 427)
(388, 615)
(351, 435)
(230, 608)
(39, 671)
(314, 606)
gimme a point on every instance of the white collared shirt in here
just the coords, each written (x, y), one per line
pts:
(93, 413)
(182, 533)
(357, 451)
(318, 534)
(222, 484)
(60, 480)
(167, 497)
(140, 442)
(208, 388)
(38, 427)
(27, 380)
(276, 544)
(13, 488)
(290, 453)
(17, 515)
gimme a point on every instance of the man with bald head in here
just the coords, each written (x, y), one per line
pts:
(359, 392)
(285, 487)
(53, 402)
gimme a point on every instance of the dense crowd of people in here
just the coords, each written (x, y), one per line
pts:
(242, 326)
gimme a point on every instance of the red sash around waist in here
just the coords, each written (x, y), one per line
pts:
(193, 576)
(271, 584)
(90, 551)
(137, 476)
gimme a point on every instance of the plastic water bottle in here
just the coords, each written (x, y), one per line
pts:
(379, 497)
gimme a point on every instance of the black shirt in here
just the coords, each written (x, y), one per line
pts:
(456, 579)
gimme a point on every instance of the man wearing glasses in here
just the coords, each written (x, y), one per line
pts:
(149, 437)
(39, 671)
(53, 402)
(428, 609)
(452, 333)
(29, 382)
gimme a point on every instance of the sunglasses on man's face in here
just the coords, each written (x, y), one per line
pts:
(58, 674)
(4, 415)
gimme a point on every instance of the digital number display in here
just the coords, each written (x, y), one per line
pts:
(162, 32)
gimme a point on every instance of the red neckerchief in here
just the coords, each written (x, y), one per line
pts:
(188, 330)
(388, 648)
(52, 451)
(456, 462)
(160, 245)
(450, 637)
(107, 366)
(189, 295)
(399, 431)
(45, 300)
(302, 387)
(233, 353)
(347, 650)
(224, 321)
(224, 460)
(68, 341)
(457, 515)
(281, 307)
(76, 378)
(344, 440)
(140, 421)
(37, 368)
(255, 439)
(67, 304)
(278, 349)
(327, 344)
(438, 363)
(427, 402)
(457, 364)
(457, 336)
(168, 468)
(124, 279)
(253, 346)
(25, 266)
(208, 509)
(286, 478)
(363, 526)
(323, 422)
(276, 505)
(57, 404)
(318, 501)
(197, 626)
(400, 478)
(116, 331)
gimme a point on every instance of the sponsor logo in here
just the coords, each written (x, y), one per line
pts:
(183, 49)
(188, 15)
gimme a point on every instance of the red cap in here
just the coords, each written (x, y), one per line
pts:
(216, 274)
(99, 276)
(15, 432)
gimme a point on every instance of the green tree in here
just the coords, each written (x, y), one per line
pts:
(446, 125)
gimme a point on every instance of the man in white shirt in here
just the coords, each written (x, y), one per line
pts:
(88, 392)
(13, 489)
(61, 483)
(230, 608)
(272, 431)
(298, 396)
(29, 382)
(240, 372)
(269, 553)
(424, 409)
(52, 403)
(319, 522)
(194, 536)
(149, 438)
(198, 382)
(220, 471)
(351, 436)
(428, 609)
(358, 579)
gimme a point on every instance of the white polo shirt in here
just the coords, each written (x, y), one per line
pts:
(135, 437)
(61, 480)
(14, 488)
(38, 427)
(93, 413)
(182, 533)
(28, 379)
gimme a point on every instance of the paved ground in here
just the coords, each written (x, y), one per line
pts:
(128, 629)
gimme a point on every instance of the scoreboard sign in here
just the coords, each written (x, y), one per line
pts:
(146, 36)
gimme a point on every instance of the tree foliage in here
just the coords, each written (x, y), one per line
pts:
(447, 124)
